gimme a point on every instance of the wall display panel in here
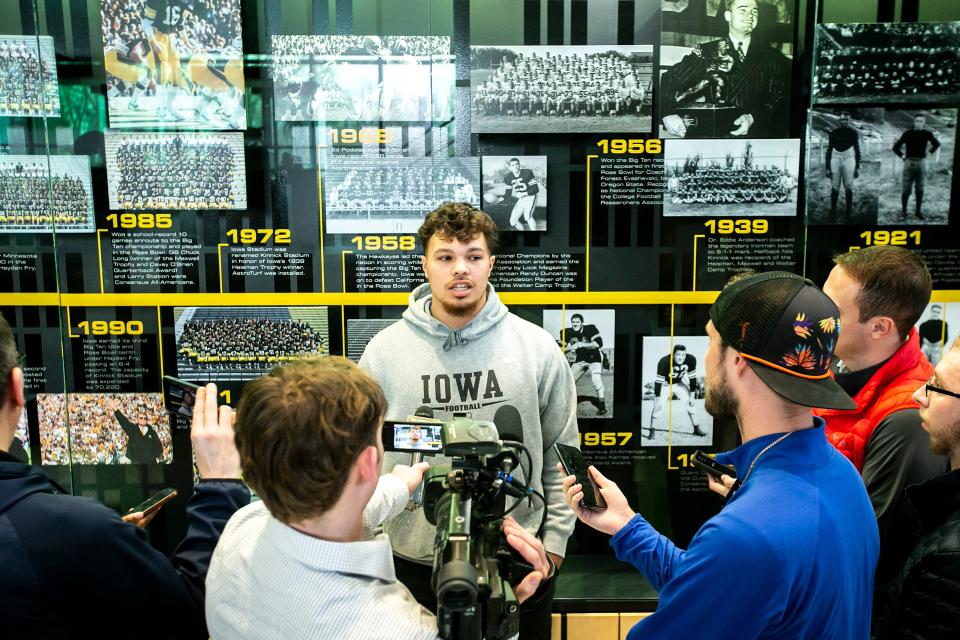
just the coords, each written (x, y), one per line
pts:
(362, 78)
(218, 344)
(674, 388)
(172, 64)
(515, 191)
(887, 62)
(389, 195)
(586, 338)
(164, 242)
(104, 428)
(28, 77)
(726, 70)
(40, 193)
(150, 171)
(732, 177)
(560, 89)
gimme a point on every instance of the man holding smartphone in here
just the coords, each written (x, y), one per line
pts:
(69, 560)
(793, 552)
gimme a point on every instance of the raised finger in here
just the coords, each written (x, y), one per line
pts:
(198, 405)
(210, 406)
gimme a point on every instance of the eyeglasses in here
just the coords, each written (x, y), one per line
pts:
(929, 387)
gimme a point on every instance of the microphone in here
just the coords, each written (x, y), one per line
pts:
(509, 423)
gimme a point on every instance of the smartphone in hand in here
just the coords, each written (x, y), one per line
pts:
(155, 501)
(575, 465)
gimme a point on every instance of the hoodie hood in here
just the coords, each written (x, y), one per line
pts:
(418, 315)
(17, 481)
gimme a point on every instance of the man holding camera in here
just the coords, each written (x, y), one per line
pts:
(304, 562)
(459, 351)
(793, 551)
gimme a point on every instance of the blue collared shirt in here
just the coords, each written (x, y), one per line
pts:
(791, 555)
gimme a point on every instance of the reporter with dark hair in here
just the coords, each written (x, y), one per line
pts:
(67, 559)
(307, 561)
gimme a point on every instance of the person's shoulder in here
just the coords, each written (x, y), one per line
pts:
(245, 523)
(528, 330)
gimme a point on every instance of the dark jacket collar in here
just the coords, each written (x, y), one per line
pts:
(19, 480)
(935, 499)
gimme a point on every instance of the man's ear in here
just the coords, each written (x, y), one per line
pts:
(15, 387)
(493, 260)
(423, 263)
(882, 326)
(367, 466)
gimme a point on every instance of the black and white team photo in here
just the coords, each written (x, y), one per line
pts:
(878, 63)
(674, 388)
(174, 64)
(537, 89)
(146, 170)
(731, 177)
(725, 69)
(844, 175)
(39, 197)
(28, 77)
(515, 191)
(332, 78)
(390, 195)
(217, 344)
(586, 337)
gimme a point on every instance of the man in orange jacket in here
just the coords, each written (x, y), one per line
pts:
(881, 292)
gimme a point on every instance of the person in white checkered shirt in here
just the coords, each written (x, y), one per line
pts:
(307, 561)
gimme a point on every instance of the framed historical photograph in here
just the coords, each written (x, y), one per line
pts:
(362, 78)
(887, 62)
(173, 64)
(515, 191)
(674, 388)
(28, 77)
(393, 194)
(917, 166)
(221, 344)
(535, 89)
(726, 68)
(586, 337)
(938, 329)
(731, 177)
(844, 176)
(104, 428)
(360, 332)
(20, 447)
(176, 171)
(37, 197)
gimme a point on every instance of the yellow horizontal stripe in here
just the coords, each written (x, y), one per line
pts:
(543, 298)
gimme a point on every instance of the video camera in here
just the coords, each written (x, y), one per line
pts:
(473, 567)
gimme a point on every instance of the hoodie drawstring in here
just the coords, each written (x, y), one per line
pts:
(454, 338)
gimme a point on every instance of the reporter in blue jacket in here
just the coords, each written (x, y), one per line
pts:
(70, 567)
(792, 553)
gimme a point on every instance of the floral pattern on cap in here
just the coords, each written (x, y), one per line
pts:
(817, 340)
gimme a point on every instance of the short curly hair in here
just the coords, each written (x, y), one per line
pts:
(299, 430)
(462, 221)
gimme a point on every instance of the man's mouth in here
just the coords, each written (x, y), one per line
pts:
(461, 289)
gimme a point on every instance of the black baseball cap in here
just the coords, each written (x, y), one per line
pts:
(786, 328)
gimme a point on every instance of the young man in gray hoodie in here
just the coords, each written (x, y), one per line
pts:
(459, 350)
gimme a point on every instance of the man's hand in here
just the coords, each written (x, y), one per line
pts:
(742, 124)
(531, 550)
(856, 172)
(212, 436)
(137, 518)
(411, 476)
(610, 520)
(675, 126)
(722, 486)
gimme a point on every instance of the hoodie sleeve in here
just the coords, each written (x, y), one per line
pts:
(558, 419)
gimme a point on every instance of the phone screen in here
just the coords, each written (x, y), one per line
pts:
(155, 501)
(181, 396)
(404, 436)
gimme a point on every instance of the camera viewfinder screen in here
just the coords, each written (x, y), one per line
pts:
(425, 437)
